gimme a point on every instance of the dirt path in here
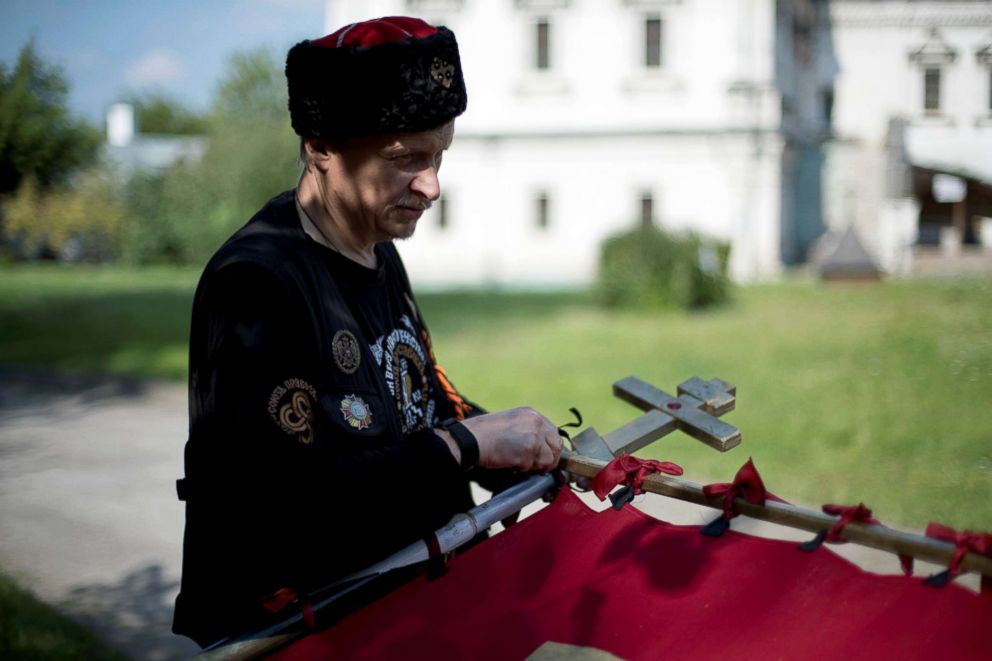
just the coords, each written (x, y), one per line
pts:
(89, 518)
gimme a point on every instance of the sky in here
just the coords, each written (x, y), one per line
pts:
(108, 49)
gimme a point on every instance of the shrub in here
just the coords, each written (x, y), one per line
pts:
(77, 222)
(648, 267)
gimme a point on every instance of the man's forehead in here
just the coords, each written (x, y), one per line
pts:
(434, 139)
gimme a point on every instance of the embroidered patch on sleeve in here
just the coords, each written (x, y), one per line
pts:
(356, 412)
(347, 355)
(291, 407)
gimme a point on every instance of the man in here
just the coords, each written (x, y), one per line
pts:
(323, 436)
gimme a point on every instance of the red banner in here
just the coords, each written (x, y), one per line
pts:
(624, 583)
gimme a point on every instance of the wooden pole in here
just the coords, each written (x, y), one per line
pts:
(875, 536)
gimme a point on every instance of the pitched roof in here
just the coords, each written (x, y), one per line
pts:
(849, 259)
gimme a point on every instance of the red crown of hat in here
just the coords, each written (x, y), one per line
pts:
(388, 75)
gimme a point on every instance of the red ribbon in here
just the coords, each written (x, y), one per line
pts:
(282, 598)
(964, 542)
(860, 514)
(747, 484)
(847, 514)
(627, 469)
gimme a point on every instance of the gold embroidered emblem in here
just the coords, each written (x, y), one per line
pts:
(347, 355)
(356, 412)
(442, 72)
(291, 407)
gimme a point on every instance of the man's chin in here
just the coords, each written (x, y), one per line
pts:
(404, 231)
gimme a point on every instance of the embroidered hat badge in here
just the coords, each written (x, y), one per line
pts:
(347, 355)
(443, 72)
(356, 412)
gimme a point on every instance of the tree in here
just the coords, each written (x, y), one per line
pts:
(185, 213)
(38, 137)
(253, 89)
(158, 113)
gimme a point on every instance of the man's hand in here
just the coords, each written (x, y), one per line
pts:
(518, 438)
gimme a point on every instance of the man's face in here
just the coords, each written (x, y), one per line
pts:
(381, 185)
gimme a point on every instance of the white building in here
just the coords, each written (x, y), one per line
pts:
(911, 166)
(128, 152)
(586, 117)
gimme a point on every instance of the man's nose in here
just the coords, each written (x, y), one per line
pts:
(427, 184)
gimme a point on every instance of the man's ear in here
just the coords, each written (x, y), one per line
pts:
(318, 152)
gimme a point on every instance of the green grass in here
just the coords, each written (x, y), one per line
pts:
(30, 630)
(875, 393)
(881, 394)
(97, 320)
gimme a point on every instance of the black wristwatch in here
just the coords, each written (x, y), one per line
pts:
(466, 441)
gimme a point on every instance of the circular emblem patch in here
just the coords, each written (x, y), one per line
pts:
(356, 412)
(347, 355)
(291, 407)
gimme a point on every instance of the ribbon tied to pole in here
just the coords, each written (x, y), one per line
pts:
(847, 514)
(748, 485)
(630, 471)
(964, 542)
(850, 514)
(285, 597)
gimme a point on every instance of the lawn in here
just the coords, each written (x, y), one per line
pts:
(30, 630)
(875, 393)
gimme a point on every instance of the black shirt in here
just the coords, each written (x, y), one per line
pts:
(313, 392)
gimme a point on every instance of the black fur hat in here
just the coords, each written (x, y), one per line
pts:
(388, 75)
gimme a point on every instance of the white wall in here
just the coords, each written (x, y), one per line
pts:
(877, 81)
(707, 184)
(596, 131)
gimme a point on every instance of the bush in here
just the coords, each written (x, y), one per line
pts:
(77, 222)
(647, 267)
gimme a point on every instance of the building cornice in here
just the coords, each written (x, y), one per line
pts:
(579, 134)
(905, 14)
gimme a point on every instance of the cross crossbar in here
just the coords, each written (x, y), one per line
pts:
(694, 411)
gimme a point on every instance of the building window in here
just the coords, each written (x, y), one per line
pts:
(984, 58)
(442, 212)
(932, 58)
(542, 45)
(542, 210)
(647, 209)
(652, 42)
(931, 89)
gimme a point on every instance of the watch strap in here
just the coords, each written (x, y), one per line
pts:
(467, 444)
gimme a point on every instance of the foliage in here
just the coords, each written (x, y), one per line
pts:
(31, 630)
(76, 222)
(253, 90)
(38, 138)
(650, 268)
(160, 114)
(182, 215)
(845, 393)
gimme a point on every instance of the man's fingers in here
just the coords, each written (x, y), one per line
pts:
(556, 446)
(545, 459)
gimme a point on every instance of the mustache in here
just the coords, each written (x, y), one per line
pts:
(413, 202)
